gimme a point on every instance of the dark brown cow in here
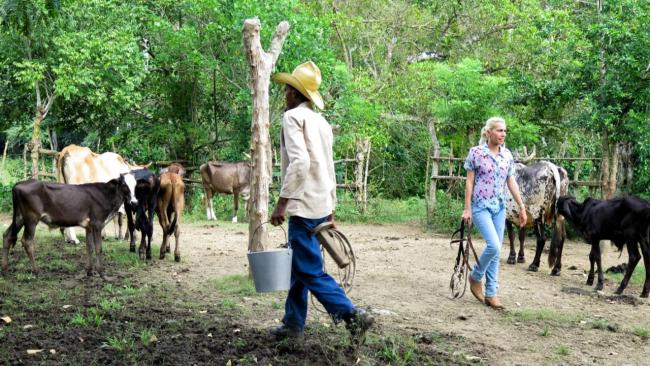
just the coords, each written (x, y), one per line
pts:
(225, 177)
(88, 205)
(171, 200)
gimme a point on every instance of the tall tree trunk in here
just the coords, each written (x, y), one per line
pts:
(35, 144)
(260, 65)
(435, 146)
(363, 144)
(42, 108)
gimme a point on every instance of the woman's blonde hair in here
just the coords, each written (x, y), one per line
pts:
(489, 124)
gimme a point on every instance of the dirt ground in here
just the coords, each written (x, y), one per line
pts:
(403, 275)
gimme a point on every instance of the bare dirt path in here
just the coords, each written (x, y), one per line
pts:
(403, 274)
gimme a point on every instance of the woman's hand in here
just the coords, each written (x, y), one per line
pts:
(467, 216)
(523, 218)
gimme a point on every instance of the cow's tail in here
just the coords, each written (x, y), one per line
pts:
(559, 234)
(60, 175)
(177, 201)
(558, 186)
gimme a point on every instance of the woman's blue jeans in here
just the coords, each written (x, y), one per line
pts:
(491, 225)
(307, 275)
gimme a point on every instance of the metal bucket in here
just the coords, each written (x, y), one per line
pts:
(271, 269)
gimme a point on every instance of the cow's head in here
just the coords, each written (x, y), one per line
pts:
(570, 208)
(127, 185)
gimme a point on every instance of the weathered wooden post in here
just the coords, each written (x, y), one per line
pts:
(433, 187)
(360, 181)
(260, 65)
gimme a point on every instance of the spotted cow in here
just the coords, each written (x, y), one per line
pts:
(540, 184)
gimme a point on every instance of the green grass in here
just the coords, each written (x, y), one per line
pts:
(598, 324)
(545, 332)
(229, 304)
(397, 350)
(147, 336)
(239, 285)
(110, 305)
(95, 317)
(120, 344)
(638, 276)
(62, 264)
(641, 332)
(563, 350)
(78, 320)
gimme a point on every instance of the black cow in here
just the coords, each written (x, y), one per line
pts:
(540, 185)
(624, 221)
(146, 191)
(88, 205)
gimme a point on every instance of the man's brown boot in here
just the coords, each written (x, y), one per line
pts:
(494, 303)
(476, 288)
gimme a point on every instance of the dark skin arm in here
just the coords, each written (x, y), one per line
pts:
(280, 211)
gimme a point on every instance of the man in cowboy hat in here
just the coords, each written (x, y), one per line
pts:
(308, 195)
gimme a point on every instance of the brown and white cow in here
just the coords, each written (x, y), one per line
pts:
(171, 201)
(88, 205)
(541, 185)
(78, 164)
(225, 177)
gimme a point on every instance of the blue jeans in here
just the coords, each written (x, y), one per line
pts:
(307, 275)
(491, 225)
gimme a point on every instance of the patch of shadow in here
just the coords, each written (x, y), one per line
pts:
(623, 299)
(576, 291)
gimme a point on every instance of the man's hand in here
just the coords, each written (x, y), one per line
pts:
(277, 217)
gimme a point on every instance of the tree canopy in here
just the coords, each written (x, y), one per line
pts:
(168, 79)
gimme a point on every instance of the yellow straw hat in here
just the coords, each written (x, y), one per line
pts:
(306, 79)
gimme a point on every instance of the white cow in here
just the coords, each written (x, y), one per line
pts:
(78, 165)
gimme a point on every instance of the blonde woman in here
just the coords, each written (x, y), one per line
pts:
(490, 169)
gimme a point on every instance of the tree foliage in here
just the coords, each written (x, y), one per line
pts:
(168, 79)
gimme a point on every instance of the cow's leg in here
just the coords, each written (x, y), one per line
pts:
(539, 234)
(152, 206)
(89, 251)
(9, 239)
(208, 207)
(601, 276)
(97, 242)
(130, 227)
(522, 239)
(592, 262)
(235, 201)
(557, 245)
(511, 237)
(633, 258)
(70, 235)
(645, 251)
(28, 242)
(120, 222)
(177, 233)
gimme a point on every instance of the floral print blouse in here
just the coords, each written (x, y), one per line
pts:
(490, 177)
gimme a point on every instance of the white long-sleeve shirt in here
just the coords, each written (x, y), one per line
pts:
(308, 178)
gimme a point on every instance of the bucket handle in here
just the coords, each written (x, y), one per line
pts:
(286, 239)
